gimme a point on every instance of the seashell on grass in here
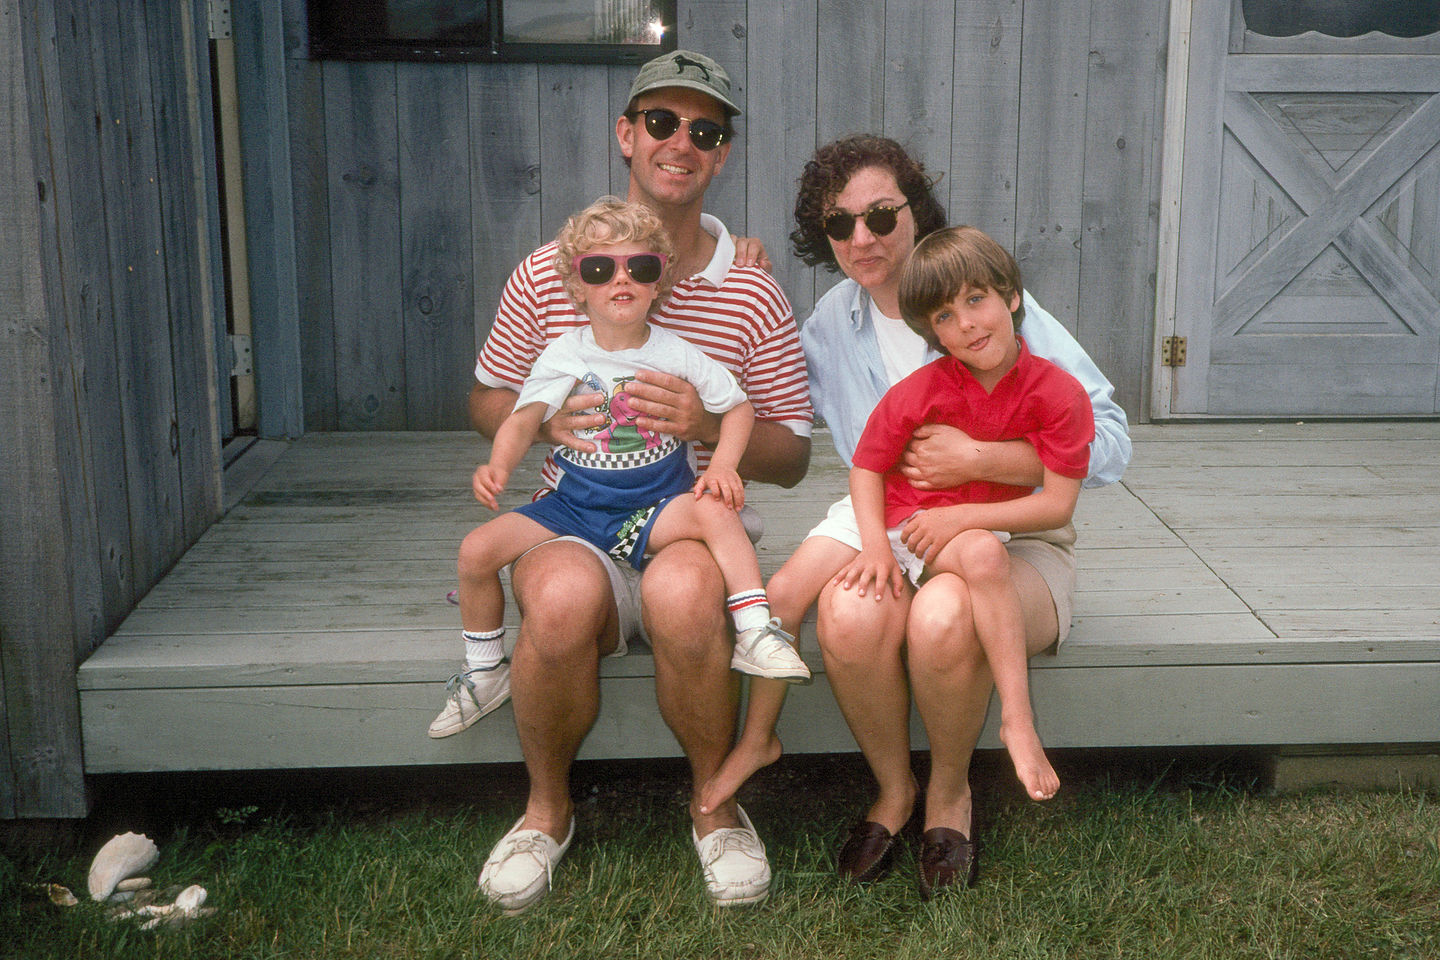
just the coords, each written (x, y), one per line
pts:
(122, 857)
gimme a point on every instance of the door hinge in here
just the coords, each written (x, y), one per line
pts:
(1172, 352)
(218, 13)
(241, 362)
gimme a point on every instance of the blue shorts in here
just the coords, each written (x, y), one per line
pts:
(613, 509)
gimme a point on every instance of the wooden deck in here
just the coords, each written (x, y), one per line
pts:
(1265, 584)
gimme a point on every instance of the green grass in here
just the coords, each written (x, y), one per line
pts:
(1139, 857)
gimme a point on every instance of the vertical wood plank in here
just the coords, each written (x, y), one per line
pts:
(576, 130)
(269, 217)
(360, 135)
(1122, 148)
(1052, 152)
(919, 81)
(985, 138)
(142, 335)
(78, 284)
(849, 74)
(717, 29)
(37, 631)
(309, 177)
(41, 768)
(504, 181)
(781, 129)
(437, 299)
(185, 234)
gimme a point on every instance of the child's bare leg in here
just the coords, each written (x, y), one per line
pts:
(486, 551)
(793, 590)
(719, 528)
(980, 559)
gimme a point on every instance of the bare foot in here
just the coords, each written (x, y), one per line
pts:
(743, 761)
(1034, 770)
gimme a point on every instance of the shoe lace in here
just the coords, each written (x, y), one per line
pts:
(533, 843)
(724, 840)
(454, 685)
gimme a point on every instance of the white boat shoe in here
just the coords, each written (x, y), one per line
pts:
(519, 870)
(734, 864)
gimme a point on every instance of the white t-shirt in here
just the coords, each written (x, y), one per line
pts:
(902, 350)
(574, 363)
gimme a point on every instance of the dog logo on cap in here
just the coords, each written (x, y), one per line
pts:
(682, 62)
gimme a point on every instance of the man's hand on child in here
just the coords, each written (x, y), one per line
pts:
(672, 406)
(881, 569)
(724, 484)
(489, 483)
(928, 531)
(577, 413)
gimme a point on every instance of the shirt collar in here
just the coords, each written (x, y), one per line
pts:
(724, 255)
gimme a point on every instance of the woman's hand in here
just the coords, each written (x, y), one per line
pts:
(879, 568)
(940, 456)
(927, 532)
(577, 413)
(724, 484)
(750, 252)
(488, 483)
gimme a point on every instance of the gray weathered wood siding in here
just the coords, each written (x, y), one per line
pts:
(110, 466)
(417, 187)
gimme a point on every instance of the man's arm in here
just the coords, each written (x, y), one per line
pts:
(489, 406)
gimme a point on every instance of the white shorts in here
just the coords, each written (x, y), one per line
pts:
(1051, 553)
(625, 582)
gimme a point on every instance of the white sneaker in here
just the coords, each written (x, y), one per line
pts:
(734, 864)
(470, 695)
(769, 651)
(518, 871)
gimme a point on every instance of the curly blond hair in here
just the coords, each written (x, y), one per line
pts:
(607, 221)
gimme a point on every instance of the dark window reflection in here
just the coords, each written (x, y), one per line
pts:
(1342, 18)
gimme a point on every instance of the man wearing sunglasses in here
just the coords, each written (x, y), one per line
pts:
(578, 606)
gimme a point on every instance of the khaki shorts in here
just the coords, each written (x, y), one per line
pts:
(625, 583)
(1050, 552)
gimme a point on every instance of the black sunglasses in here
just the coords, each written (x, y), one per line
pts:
(662, 124)
(838, 226)
(597, 268)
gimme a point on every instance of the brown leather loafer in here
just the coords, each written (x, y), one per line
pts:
(947, 857)
(867, 854)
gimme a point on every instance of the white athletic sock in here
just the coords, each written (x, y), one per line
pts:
(749, 609)
(484, 649)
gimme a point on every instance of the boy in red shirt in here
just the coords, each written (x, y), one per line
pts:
(960, 290)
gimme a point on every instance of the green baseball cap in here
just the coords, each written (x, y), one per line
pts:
(685, 68)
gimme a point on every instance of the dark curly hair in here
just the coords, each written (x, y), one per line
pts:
(826, 175)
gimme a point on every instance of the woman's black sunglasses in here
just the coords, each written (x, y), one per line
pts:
(597, 268)
(880, 221)
(662, 124)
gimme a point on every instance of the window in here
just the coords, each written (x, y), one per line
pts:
(569, 31)
(1342, 18)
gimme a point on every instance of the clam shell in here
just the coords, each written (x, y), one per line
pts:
(121, 857)
(190, 899)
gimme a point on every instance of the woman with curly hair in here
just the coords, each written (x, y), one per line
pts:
(863, 204)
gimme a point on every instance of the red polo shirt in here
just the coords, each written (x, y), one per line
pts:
(1035, 401)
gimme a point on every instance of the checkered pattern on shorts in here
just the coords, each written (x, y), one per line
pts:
(621, 461)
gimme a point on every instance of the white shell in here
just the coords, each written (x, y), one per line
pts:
(123, 856)
(190, 899)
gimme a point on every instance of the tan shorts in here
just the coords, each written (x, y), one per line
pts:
(1050, 552)
(625, 583)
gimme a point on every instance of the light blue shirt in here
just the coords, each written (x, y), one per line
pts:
(847, 376)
